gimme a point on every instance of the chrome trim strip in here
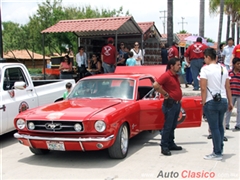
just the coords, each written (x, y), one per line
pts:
(98, 139)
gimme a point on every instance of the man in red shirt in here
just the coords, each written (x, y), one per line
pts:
(169, 86)
(173, 51)
(108, 56)
(194, 55)
(235, 53)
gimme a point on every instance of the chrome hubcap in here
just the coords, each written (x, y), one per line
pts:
(124, 140)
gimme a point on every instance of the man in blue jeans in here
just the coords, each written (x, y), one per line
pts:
(195, 57)
(216, 99)
(168, 84)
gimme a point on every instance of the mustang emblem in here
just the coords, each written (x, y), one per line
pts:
(53, 126)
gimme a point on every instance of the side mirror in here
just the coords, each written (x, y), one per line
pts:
(19, 85)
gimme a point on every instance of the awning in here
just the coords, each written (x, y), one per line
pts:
(97, 27)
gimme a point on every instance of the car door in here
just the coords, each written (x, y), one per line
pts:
(151, 116)
(15, 100)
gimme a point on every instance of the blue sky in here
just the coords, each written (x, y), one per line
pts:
(19, 10)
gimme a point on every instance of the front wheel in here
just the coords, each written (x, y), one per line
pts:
(119, 149)
(39, 151)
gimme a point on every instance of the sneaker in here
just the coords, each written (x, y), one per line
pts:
(213, 156)
(237, 128)
(227, 127)
(175, 148)
(225, 138)
(209, 136)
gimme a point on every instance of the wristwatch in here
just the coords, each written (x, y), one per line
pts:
(166, 95)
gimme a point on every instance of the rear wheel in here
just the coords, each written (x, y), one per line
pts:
(39, 151)
(119, 149)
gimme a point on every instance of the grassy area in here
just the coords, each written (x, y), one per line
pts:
(35, 71)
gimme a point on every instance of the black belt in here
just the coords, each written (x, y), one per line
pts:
(172, 100)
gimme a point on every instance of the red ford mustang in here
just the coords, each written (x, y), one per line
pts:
(102, 111)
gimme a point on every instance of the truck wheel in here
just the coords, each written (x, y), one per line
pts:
(119, 149)
(39, 151)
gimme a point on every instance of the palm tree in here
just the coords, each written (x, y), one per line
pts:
(170, 22)
(201, 18)
(231, 8)
(220, 21)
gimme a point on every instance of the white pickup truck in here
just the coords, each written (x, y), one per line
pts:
(19, 92)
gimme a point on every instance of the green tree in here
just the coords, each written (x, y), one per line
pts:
(231, 8)
(183, 32)
(48, 14)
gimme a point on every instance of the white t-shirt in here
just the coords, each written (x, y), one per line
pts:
(227, 52)
(136, 55)
(212, 73)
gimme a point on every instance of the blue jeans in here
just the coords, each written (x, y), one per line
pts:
(214, 112)
(228, 113)
(171, 116)
(189, 76)
(196, 65)
(108, 68)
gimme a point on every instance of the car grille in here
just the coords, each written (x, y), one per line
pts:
(54, 126)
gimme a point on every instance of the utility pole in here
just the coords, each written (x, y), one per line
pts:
(182, 23)
(1, 43)
(164, 19)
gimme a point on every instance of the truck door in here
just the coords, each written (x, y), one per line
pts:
(16, 100)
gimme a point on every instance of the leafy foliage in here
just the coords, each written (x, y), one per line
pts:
(29, 36)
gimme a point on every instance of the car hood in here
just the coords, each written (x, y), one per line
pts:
(71, 109)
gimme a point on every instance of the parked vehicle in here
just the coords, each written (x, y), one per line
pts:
(18, 92)
(101, 112)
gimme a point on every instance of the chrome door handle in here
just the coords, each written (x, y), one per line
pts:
(3, 108)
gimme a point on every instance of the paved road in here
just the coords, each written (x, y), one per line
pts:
(144, 160)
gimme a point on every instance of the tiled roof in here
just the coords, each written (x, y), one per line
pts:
(183, 36)
(145, 26)
(22, 54)
(96, 26)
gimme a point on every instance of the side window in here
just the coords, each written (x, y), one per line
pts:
(145, 85)
(12, 75)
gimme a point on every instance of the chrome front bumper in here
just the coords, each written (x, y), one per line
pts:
(98, 139)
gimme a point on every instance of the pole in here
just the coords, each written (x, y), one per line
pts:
(182, 23)
(164, 19)
(44, 61)
(1, 42)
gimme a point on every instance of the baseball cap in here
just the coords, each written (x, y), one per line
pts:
(110, 39)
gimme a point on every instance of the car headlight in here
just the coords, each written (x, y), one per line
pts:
(100, 126)
(31, 126)
(78, 127)
(20, 124)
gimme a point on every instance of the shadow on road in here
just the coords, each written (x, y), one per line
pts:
(89, 159)
(7, 139)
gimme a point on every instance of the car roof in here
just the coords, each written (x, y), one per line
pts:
(119, 76)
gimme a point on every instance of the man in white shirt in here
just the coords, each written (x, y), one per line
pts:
(227, 53)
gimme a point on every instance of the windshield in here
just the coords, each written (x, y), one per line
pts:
(103, 88)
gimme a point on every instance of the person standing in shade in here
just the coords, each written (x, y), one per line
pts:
(216, 99)
(173, 51)
(195, 57)
(108, 56)
(131, 61)
(234, 74)
(81, 59)
(137, 54)
(164, 54)
(168, 84)
(66, 68)
(227, 53)
(220, 57)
